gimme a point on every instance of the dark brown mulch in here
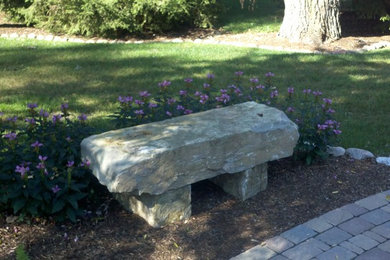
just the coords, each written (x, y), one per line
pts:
(220, 227)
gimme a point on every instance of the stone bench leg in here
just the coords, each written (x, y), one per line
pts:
(245, 184)
(159, 210)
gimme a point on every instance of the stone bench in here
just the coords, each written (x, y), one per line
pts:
(150, 168)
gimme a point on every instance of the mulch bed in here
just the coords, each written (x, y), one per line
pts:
(220, 227)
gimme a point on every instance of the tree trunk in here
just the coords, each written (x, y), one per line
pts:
(311, 21)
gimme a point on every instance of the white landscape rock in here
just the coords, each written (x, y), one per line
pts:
(359, 154)
(383, 160)
(336, 151)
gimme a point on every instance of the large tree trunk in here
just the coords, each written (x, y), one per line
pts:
(311, 21)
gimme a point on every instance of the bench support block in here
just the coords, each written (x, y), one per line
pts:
(159, 210)
(246, 184)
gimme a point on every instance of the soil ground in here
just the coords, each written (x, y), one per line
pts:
(220, 226)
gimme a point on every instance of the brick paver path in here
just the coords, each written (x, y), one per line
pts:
(359, 230)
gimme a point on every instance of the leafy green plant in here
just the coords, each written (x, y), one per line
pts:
(21, 253)
(40, 170)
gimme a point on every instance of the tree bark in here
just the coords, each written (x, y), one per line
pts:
(311, 21)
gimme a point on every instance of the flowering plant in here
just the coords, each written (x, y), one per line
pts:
(40, 170)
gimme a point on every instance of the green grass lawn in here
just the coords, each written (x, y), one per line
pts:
(91, 77)
(267, 16)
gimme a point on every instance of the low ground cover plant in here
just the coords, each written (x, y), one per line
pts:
(40, 169)
(312, 112)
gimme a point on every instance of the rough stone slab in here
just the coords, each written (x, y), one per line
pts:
(383, 160)
(245, 184)
(159, 210)
(364, 242)
(278, 244)
(333, 236)
(336, 216)
(337, 252)
(302, 252)
(335, 151)
(356, 226)
(351, 247)
(354, 209)
(382, 230)
(298, 234)
(374, 253)
(317, 224)
(385, 246)
(373, 202)
(359, 154)
(376, 217)
(255, 253)
(160, 156)
(374, 236)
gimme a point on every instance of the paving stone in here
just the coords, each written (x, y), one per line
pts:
(386, 193)
(376, 217)
(364, 242)
(279, 257)
(383, 230)
(354, 209)
(385, 246)
(351, 247)
(374, 253)
(386, 208)
(372, 202)
(319, 225)
(333, 236)
(336, 216)
(278, 244)
(255, 253)
(374, 236)
(337, 252)
(303, 251)
(316, 243)
(298, 234)
(356, 226)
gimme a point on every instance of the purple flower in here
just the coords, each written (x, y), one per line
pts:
(327, 101)
(187, 111)
(164, 84)
(31, 121)
(337, 131)
(330, 123)
(22, 170)
(144, 94)
(43, 113)
(307, 91)
(55, 189)
(206, 85)
(42, 158)
(274, 94)
(83, 117)
(317, 93)
(64, 107)
(85, 163)
(183, 93)
(32, 105)
(125, 100)
(68, 139)
(290, 109)
(224, 98)
(238, 73)
(254, 80)
(223, 91)
(70, 164)
(41, 166)
(171, 101)
(210, 76)
(330, 111)
(10, 136)
(188, 80)
(260, 87)
(152, 105)
(269, 74)
(238, 91)
(180, 107)
(168, 113)
(197, 94)
(139, 102)
(12, 119)
(322, 127)
(36, 144)
(56, 118)
(139, 112)
(290, 90)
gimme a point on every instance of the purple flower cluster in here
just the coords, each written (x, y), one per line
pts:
(269, 74)
(22, 169)
(125, 100)
(10, 136)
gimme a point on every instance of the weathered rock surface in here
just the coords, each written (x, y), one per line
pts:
(245, 184)
(161, 156)
(359, 154)
(336, 151)
(383, 160)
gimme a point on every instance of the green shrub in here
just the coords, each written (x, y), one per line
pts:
(40, 169)
(113, 17)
